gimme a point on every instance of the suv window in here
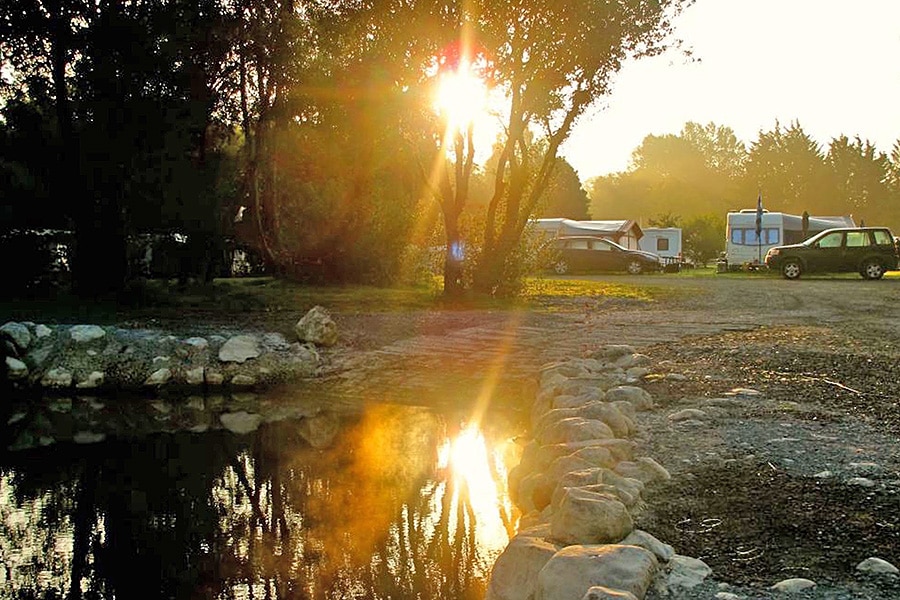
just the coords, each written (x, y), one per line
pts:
(832, 240)
(883, 238)
(577, 244)
(858, 239)
(603, 247)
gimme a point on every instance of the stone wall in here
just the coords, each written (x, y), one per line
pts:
(580, 485)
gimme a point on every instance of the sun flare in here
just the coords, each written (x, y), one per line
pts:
(461, 97)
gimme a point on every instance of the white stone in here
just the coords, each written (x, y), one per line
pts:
(603, 593)
(686, 572)
(574, 429)
(743, 392)
(15, 368)
(194, 376)
(877, 565)
(586, 517)
(637, 397)
(676, 377)
(861, 482)
(575, 569)
(727, 596)
(645, 469)
(197, 343)
(88, 437)
(57, 378)
(213, 377)
(688, 414)
(638, 537)
(159, 377)
(18, 333)
(242, 380)
(42, 331)
(317, 327)
(515, 571)
(94, 379)
(796, 584)
(239, 349)
(240, 422)
(823, 475)
(86, 333)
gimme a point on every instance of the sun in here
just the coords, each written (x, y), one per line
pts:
(461, 97)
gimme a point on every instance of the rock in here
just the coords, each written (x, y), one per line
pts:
(574, 429)
(637, 397)
(645, 470)
(602, 593)
(58, 377)
(243, 380)
(877, 565)
(861, 482)
(727, 596)
(586, 517)
(159, 377)
(515, 572)
(194, 376)
(613, 352)
(239, 348)
(88, 437)
(687, 414)
(42, 331)
(747, 392)
(196, 344)
(642, 539)
(240, 422)
(83, 334)
(18, 334)
(317, 327)
(15, 369)
(686, 572)
(213, 377)
(93, 380)
(575, 569)
(790, 586)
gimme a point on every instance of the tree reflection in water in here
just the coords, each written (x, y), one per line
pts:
(402, 503)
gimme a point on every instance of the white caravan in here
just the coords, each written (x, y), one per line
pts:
(743, 247)
(665, 242)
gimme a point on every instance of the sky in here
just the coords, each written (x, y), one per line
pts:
(831, 65)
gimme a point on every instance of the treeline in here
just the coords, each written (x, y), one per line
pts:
(306, 128)
(705, 171)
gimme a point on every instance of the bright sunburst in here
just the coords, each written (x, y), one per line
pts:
(461, 97)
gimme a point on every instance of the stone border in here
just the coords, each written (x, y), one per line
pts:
(65, 359)
(580, 485)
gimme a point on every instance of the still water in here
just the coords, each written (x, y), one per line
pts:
(392, 501)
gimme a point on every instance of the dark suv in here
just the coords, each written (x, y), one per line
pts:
(870, 251)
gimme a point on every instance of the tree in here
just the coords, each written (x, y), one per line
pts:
(787, 166)
(859, 178)
(704, 238)
(552, 60)
(564, 196)
(698, 171)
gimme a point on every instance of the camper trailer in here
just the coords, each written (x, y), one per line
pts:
(665, 242)
(744, 248)
(626, 233)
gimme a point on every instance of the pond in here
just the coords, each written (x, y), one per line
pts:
(390, 501)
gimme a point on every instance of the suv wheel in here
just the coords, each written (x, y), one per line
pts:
(791, 269)
(561, 267)
(872, 269)
(635, 267)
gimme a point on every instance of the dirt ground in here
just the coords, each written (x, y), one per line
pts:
(798, 475)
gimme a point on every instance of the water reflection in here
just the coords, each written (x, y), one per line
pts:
(403, 503)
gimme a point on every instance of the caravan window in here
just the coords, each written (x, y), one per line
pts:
(768, 236)
(662, 244)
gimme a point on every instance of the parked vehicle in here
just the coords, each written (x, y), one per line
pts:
(587, 253)
(665, 242)
(744, 248)
(869, 251)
